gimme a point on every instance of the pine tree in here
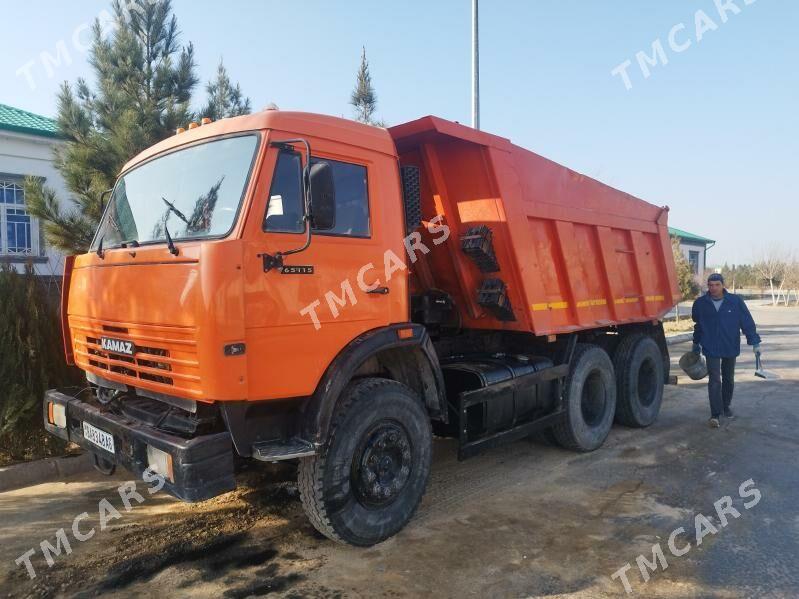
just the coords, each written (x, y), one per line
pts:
(224, 99)
(364, 98)
(143, 91)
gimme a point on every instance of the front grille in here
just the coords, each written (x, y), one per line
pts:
(165, 356)
(93, 345)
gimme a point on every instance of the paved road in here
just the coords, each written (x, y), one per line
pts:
(520, 521)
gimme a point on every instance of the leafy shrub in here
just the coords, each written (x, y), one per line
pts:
(31, 361)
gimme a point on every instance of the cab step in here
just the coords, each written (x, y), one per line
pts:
(280, 449)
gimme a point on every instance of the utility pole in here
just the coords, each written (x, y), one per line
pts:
(475, 68)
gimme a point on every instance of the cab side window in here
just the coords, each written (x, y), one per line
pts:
(352, 199)
(284, 211)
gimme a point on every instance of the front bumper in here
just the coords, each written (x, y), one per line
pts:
(202, 466)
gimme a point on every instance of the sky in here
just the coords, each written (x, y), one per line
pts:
(712, 132)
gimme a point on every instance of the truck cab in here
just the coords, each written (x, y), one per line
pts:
(292, 286)
(217, 326)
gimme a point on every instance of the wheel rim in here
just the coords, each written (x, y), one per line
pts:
(593, 402)
(647, 382)
(382, 464)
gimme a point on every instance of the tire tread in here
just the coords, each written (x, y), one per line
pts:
(563, 432)
(310, 477)
(624, 414)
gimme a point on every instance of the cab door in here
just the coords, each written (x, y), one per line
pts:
(301, 315)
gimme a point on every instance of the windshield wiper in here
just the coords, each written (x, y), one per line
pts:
(173, 249)
(177, 212)
(100, 252)
(134, 243)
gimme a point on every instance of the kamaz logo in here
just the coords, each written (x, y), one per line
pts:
(117, 346)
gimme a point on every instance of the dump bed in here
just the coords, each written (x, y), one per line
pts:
(558, 252)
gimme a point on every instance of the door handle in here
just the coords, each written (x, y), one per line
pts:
(379, 291)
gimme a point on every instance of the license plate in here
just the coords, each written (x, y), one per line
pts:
(101, 439)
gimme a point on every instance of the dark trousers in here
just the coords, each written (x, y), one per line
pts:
(721, 373)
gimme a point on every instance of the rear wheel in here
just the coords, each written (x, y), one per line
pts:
(639, 380)
(368, 479)
(589, 400)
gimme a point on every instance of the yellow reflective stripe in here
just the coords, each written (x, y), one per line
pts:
(551, 306)
(594, 302)
(632, 300)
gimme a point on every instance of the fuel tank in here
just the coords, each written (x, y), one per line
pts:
(504, 406)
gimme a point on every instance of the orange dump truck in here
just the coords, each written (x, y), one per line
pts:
(290, 286)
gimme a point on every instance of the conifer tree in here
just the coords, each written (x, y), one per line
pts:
(144, 80)
(364, 98)
(224, 98)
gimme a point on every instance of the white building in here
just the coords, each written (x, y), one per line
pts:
(27, 141)
(694, 248)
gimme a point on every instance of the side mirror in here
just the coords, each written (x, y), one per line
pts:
(323, 197)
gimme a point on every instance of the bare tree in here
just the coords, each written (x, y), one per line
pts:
(791, 281)
(770, 268)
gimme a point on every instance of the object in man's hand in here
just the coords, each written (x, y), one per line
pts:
(760, 372)
(694, 365)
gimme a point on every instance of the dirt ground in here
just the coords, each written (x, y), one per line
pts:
(526, 520)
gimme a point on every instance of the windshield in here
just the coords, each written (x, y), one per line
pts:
(191, 193)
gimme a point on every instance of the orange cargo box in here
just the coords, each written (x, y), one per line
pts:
(534, 246)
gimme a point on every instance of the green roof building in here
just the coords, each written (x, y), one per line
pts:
(694, 248)
(27, 141)
(22, 121)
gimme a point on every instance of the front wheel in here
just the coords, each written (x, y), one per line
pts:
(368, 479)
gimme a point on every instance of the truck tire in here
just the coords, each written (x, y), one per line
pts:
(639, 380)
(589, 400)
(367, 480)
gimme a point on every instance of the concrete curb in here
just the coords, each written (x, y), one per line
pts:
(679, 338)
(42, 471)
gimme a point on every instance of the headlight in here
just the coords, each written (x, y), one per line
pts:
(160, 462)
(57, 414)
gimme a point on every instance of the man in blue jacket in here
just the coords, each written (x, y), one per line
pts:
(720, 317)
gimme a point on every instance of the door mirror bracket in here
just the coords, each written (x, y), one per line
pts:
(272, 261)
